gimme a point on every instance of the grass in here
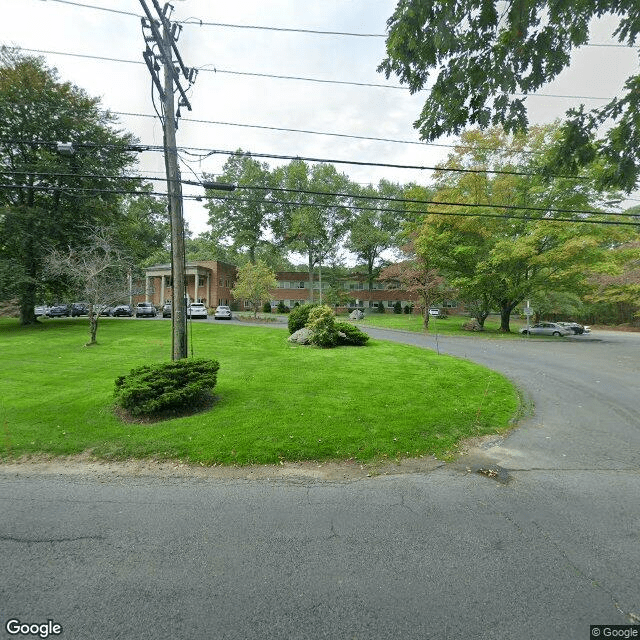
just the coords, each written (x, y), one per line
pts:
(451, 326)
(274, 401)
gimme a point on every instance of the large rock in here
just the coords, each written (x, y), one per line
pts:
(356, 314)
(472, 325)
(301, 336)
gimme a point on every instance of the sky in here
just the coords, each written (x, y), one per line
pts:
(249, 112)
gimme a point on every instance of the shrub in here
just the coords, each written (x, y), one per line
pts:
(282, 307)
(350, 334)
(408, 309)
(168, 386)
(380, 307)
(322, 325)
(266, 307)
(299, 316)
(397, 307)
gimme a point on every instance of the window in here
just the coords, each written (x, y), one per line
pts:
(220, 281)
(247, 304)
(301, 284)
(167, 281)
(201, 281)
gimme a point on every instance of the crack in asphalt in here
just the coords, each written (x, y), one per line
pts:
(24, 540)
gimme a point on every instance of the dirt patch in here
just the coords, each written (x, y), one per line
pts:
(336, 471)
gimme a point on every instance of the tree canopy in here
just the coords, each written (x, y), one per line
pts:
(486, 54)
(497, 257)
(51, 200)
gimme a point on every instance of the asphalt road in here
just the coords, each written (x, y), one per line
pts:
(547, 547)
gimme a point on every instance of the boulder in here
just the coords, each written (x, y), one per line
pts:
(356, 314)
(301, 336)
(472, 325)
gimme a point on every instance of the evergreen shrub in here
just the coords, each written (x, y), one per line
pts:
(299, 316)
(266, 307)
(397, 307)
(352, 335)
(380, 307)
(282, 307)
(322, 325)
(167, 386)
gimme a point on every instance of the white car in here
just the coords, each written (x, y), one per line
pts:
(222, 313)
(197, 310)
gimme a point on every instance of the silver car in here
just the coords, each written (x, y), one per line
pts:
(222, 313)
(547, 329)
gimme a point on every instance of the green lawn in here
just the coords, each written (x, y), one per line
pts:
(451, 325)
(274, 401)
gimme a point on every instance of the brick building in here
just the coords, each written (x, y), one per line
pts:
(211, 281)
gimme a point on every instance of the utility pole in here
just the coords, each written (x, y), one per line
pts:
(163, 36)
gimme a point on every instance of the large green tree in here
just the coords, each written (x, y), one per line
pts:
(486, 56)
(51, 199)
(375, 225)
(242, 218)
(314, 219)
(512, 234)
(254, 283)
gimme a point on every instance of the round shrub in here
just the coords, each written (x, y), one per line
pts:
(349, 334)
(299, 316)
(168, 386)
(380, 307)
(266, 307)
(282, 307)
(322, 325)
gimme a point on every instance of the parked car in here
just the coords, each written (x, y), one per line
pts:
(166, 310)
(41, 310)
(103, 310)
(547, 329)
(222, 313)
(59, 311)
(197, 310)
(145, 310)
(79, 309)
(574, 327)
(122, 310)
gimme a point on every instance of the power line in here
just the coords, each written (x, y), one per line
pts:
(506, 216)
(296, 78)
(206, 153)
(354, 196)
(203, 23)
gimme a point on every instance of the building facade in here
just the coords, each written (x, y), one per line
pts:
(211, 281)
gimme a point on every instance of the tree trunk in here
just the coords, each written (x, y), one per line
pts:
(505, 316)
(93, 327)
(27, 304)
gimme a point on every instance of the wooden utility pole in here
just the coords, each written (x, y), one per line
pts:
(161, 52)
(174, 189)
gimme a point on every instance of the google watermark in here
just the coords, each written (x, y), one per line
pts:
(615, 631)
(15, 627)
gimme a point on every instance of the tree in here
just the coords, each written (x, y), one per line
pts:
(486, 55)
(97, 273)
(376, 223)
(502, 256)
(416, 276)
(242, 217)
(254, 283)
(316, 222)
(50, 200)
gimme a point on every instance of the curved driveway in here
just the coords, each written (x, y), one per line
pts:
(585, 389)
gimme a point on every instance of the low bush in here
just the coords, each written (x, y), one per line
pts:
(169, 386)
(299, 316)
(397, 307)
(380, 307)
(349, 334)
(408, 309)
(282, 307)
(322, 324)
(266, 307)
